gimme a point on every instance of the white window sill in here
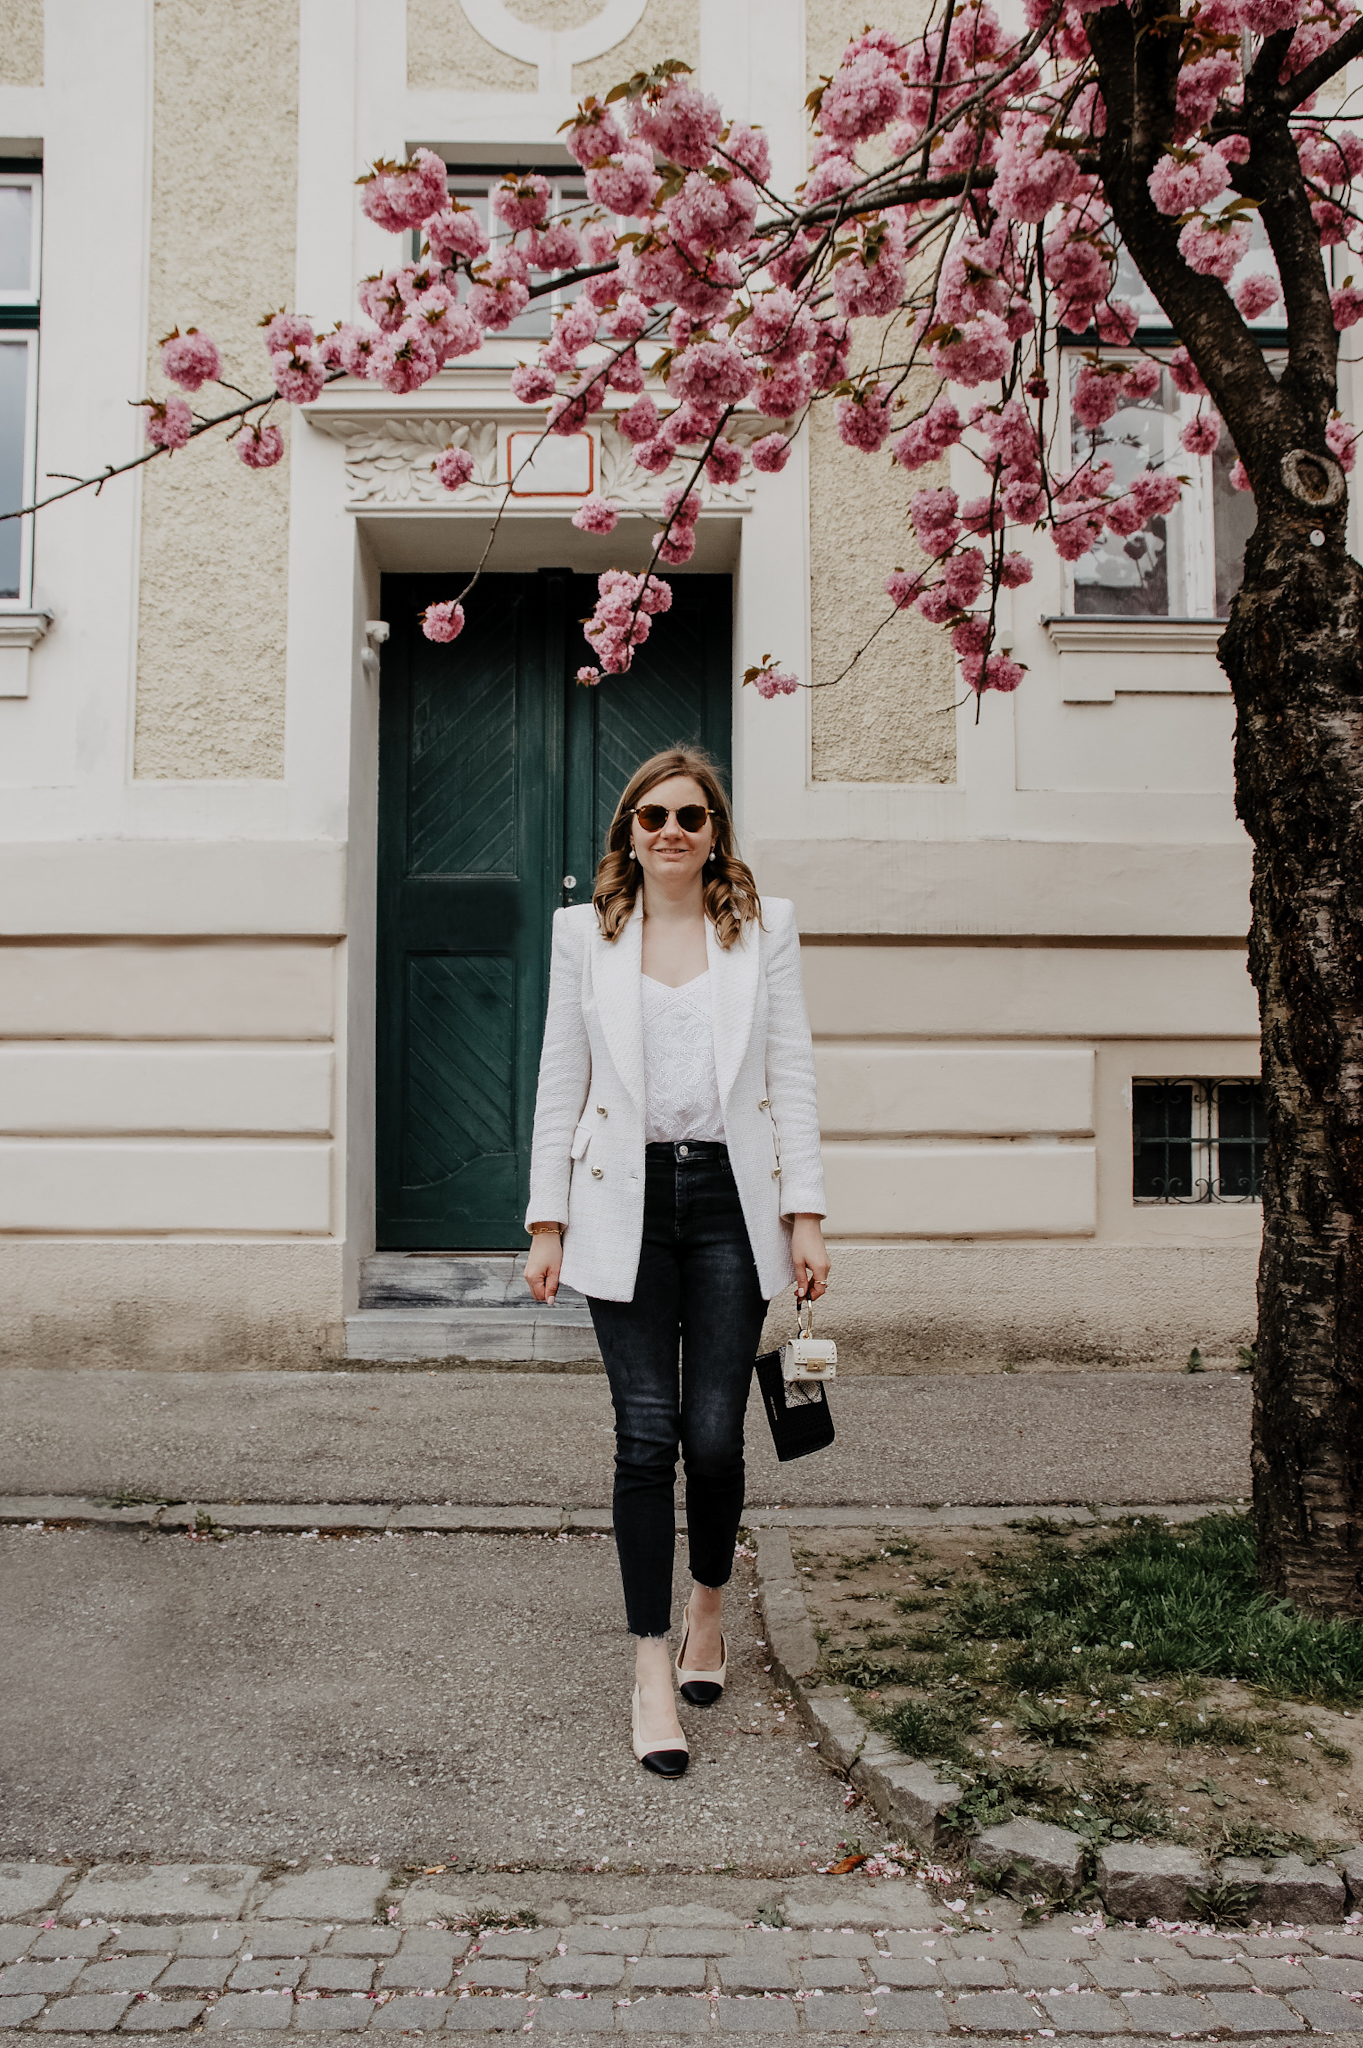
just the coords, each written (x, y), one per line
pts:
(1103, 657)
(20, 632)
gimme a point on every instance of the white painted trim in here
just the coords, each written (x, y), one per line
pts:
(553, 51)
(19, 633)
(1098, 640)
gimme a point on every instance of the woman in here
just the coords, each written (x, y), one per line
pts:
(675, 1180)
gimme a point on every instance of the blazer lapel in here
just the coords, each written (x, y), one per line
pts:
(616, 971)
(733, 989)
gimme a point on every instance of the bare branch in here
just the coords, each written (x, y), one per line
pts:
(97, 483)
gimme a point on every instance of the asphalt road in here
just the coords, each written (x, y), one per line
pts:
(516, 1438)
(417, 1699)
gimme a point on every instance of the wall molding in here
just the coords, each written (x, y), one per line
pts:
(389, 463)
(1102, 658)
(553, 51)
(20, 633)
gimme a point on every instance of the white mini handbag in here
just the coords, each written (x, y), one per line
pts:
(807, 1357)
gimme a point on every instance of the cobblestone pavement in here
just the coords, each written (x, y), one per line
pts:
(337, 1949)
(486, 1437)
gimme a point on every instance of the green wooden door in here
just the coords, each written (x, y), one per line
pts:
(498, 776)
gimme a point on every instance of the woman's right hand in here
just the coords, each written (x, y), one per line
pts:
(543, 1263)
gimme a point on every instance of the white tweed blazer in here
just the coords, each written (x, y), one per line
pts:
(587, 1162)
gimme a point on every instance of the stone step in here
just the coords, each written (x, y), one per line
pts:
(472, 1305)
(503, 1336)
(478, 1280)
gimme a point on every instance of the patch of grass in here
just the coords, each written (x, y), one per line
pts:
(1246, 1836)
(862, 1671)
(922, 1729)
(1057, 1725)
(479, 1922)
(1124, 1808)
(1225, 1905)
(997, 1793)
(1222, 1731)
(1185, 1598)
(917, 1603)
(128, 1497)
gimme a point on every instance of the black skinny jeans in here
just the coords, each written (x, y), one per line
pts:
(697, 1283)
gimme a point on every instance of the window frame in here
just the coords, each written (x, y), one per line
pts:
(485, 176)
(1205, 1141)
(16, 299)
(10, 336)
(20, 322)
(1195, 512)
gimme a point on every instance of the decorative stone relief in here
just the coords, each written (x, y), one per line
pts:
(553, 51)
(389, 463)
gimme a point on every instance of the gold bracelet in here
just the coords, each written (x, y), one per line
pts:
(543, 1229)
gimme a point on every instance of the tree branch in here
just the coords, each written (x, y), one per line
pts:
(97, 483)
(1227, 356)
(1319, 72)
(1273, 176)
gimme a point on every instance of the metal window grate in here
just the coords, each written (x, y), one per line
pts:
(1197, 1140)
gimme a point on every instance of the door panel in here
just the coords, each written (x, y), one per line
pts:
(498, 776)
(678, 692)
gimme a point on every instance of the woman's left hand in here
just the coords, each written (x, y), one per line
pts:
(810, 1254)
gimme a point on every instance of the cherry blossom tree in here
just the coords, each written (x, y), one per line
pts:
(972, 196)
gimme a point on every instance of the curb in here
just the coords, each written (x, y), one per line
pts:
(162, 1513)
(907, 1796)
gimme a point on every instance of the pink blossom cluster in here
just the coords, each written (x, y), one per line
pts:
(190, 359)
(696, 295)
(596, 514)
(169, 423)
(443, 621)
(623, 616)
(770, 681)
(260, 447)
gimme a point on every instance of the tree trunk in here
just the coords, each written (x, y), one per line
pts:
(1292, 652)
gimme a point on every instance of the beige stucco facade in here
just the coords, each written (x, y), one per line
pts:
(213, 570)
(1006, 920)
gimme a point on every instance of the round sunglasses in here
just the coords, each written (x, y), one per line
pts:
(691, 817)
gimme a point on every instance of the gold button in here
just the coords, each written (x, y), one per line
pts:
(764, 1104)
(596, 1172)
(601, 1109)
(776, 1173)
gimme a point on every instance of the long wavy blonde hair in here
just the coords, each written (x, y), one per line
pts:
(731, 899)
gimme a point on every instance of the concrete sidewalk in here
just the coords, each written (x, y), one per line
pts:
(422, 1699)
(495, 1437)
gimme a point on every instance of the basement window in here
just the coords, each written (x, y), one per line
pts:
(1197, 1141)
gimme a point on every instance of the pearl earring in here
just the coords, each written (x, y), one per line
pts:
(631, 853)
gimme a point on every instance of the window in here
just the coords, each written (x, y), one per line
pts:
(1187, 565)
(1197, 1141)
(20, 255)
(569, 196)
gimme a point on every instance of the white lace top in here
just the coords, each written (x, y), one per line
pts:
(681, 1088)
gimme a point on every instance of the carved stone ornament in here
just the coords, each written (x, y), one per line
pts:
(389, 465)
